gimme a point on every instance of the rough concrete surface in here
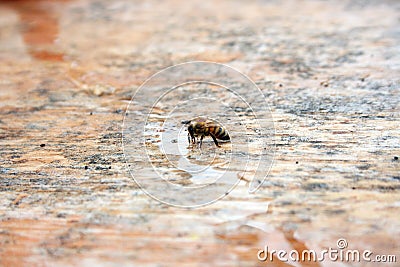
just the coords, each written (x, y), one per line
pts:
(330, 72)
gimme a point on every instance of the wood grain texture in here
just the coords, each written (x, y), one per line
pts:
(329, 71)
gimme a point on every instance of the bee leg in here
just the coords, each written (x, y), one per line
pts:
(215, 140)
(201, 141)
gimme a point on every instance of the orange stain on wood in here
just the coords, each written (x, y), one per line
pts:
(40, 27)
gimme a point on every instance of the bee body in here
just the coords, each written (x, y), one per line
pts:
(201, 127)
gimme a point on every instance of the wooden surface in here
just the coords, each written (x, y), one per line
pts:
(329, 71)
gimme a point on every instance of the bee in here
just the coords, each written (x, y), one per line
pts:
(205, 127)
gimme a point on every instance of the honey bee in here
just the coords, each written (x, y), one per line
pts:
(205, 127)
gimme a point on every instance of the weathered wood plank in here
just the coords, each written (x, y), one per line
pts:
(329, 72)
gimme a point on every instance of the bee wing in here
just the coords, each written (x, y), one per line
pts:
(200, 119)
(210, 123)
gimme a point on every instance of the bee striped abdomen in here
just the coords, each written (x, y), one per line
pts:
(221, 134)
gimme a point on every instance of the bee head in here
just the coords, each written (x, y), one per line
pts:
(190, 129)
